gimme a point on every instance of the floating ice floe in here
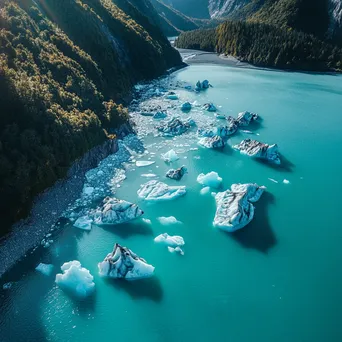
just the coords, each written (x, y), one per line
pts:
(45, 269)
(212, 142)
(142, 163)
(254, 148)
(149, 175)
(186, 106)
(175, 126)
(234, 207)
(75, 279)
(171, 241)
(202, 85)
(170, 156)
(168, 220)
(175, 250)
(211, 179)
(222, 131)
(171, 95)
(159, 115)
(210, 107)
(245, 118)
(205, 190)
(273, 180)
(115, 211)
(147, 221)
(156, 191)
(83, 222)
(122, 263)
(176, 174)
(285, 181)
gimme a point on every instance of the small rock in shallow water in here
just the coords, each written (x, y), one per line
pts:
(176, 174)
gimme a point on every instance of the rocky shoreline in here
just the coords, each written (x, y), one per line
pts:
(49, 206)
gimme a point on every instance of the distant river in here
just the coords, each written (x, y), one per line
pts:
(278, 279)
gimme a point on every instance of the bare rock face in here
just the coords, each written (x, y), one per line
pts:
(234, 207)
(116, 211)
(122, 263)
(254, 148)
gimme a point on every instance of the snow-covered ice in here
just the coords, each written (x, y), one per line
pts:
(75, 279)
(168, 240)
(211, 179)
(155, 191)
(166, 220)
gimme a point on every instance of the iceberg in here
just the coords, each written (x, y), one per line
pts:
(202, 85)
(186, 106)
(254, 148)
(170, 156)
(212, 142)
(168, 220)
(171, 95)
(45, 269)
(210, 107)
(175, 126)
(234, 208)
(149, 175)
(285, 181)
(142, 163)
(171, 241)
(156, 191)
(122, 263)
(222, 131)
(205, 190)
(75, 279)
(245, 118)
(211, 179)
(175, 250)
(176, 174)
(116, 211)
(83, 222)
(159, 115)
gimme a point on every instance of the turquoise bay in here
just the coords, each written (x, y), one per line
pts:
(278, 279)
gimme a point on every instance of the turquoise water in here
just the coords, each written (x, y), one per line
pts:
(278, 279)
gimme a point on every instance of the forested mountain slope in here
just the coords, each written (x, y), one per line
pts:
(64, 65)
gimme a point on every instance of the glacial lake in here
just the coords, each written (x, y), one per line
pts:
(277, 279)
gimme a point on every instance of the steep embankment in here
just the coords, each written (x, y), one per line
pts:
(64, 65)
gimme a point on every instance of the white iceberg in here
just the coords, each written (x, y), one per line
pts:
(177, 174)
(122, 263)
(170, 156)
(155, 191)
(205, 190)
(234, 207)
(222, 131)
(245, 118)
(142, 163)
(147, 221)
(175, 250)
(168, 220)
(285, 181)
(83, 222)
(211, 179)
(171, 241)
(116, 211)
(75, 279)
(149, 175)
(254, 148)
(45, 269)
(212, 142)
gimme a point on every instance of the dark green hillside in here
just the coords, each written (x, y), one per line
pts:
(64, 65)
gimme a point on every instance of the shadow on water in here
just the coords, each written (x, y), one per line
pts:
(31, 288)
(258, 234)
(285, 165)
(128, 229)
(149, 288)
